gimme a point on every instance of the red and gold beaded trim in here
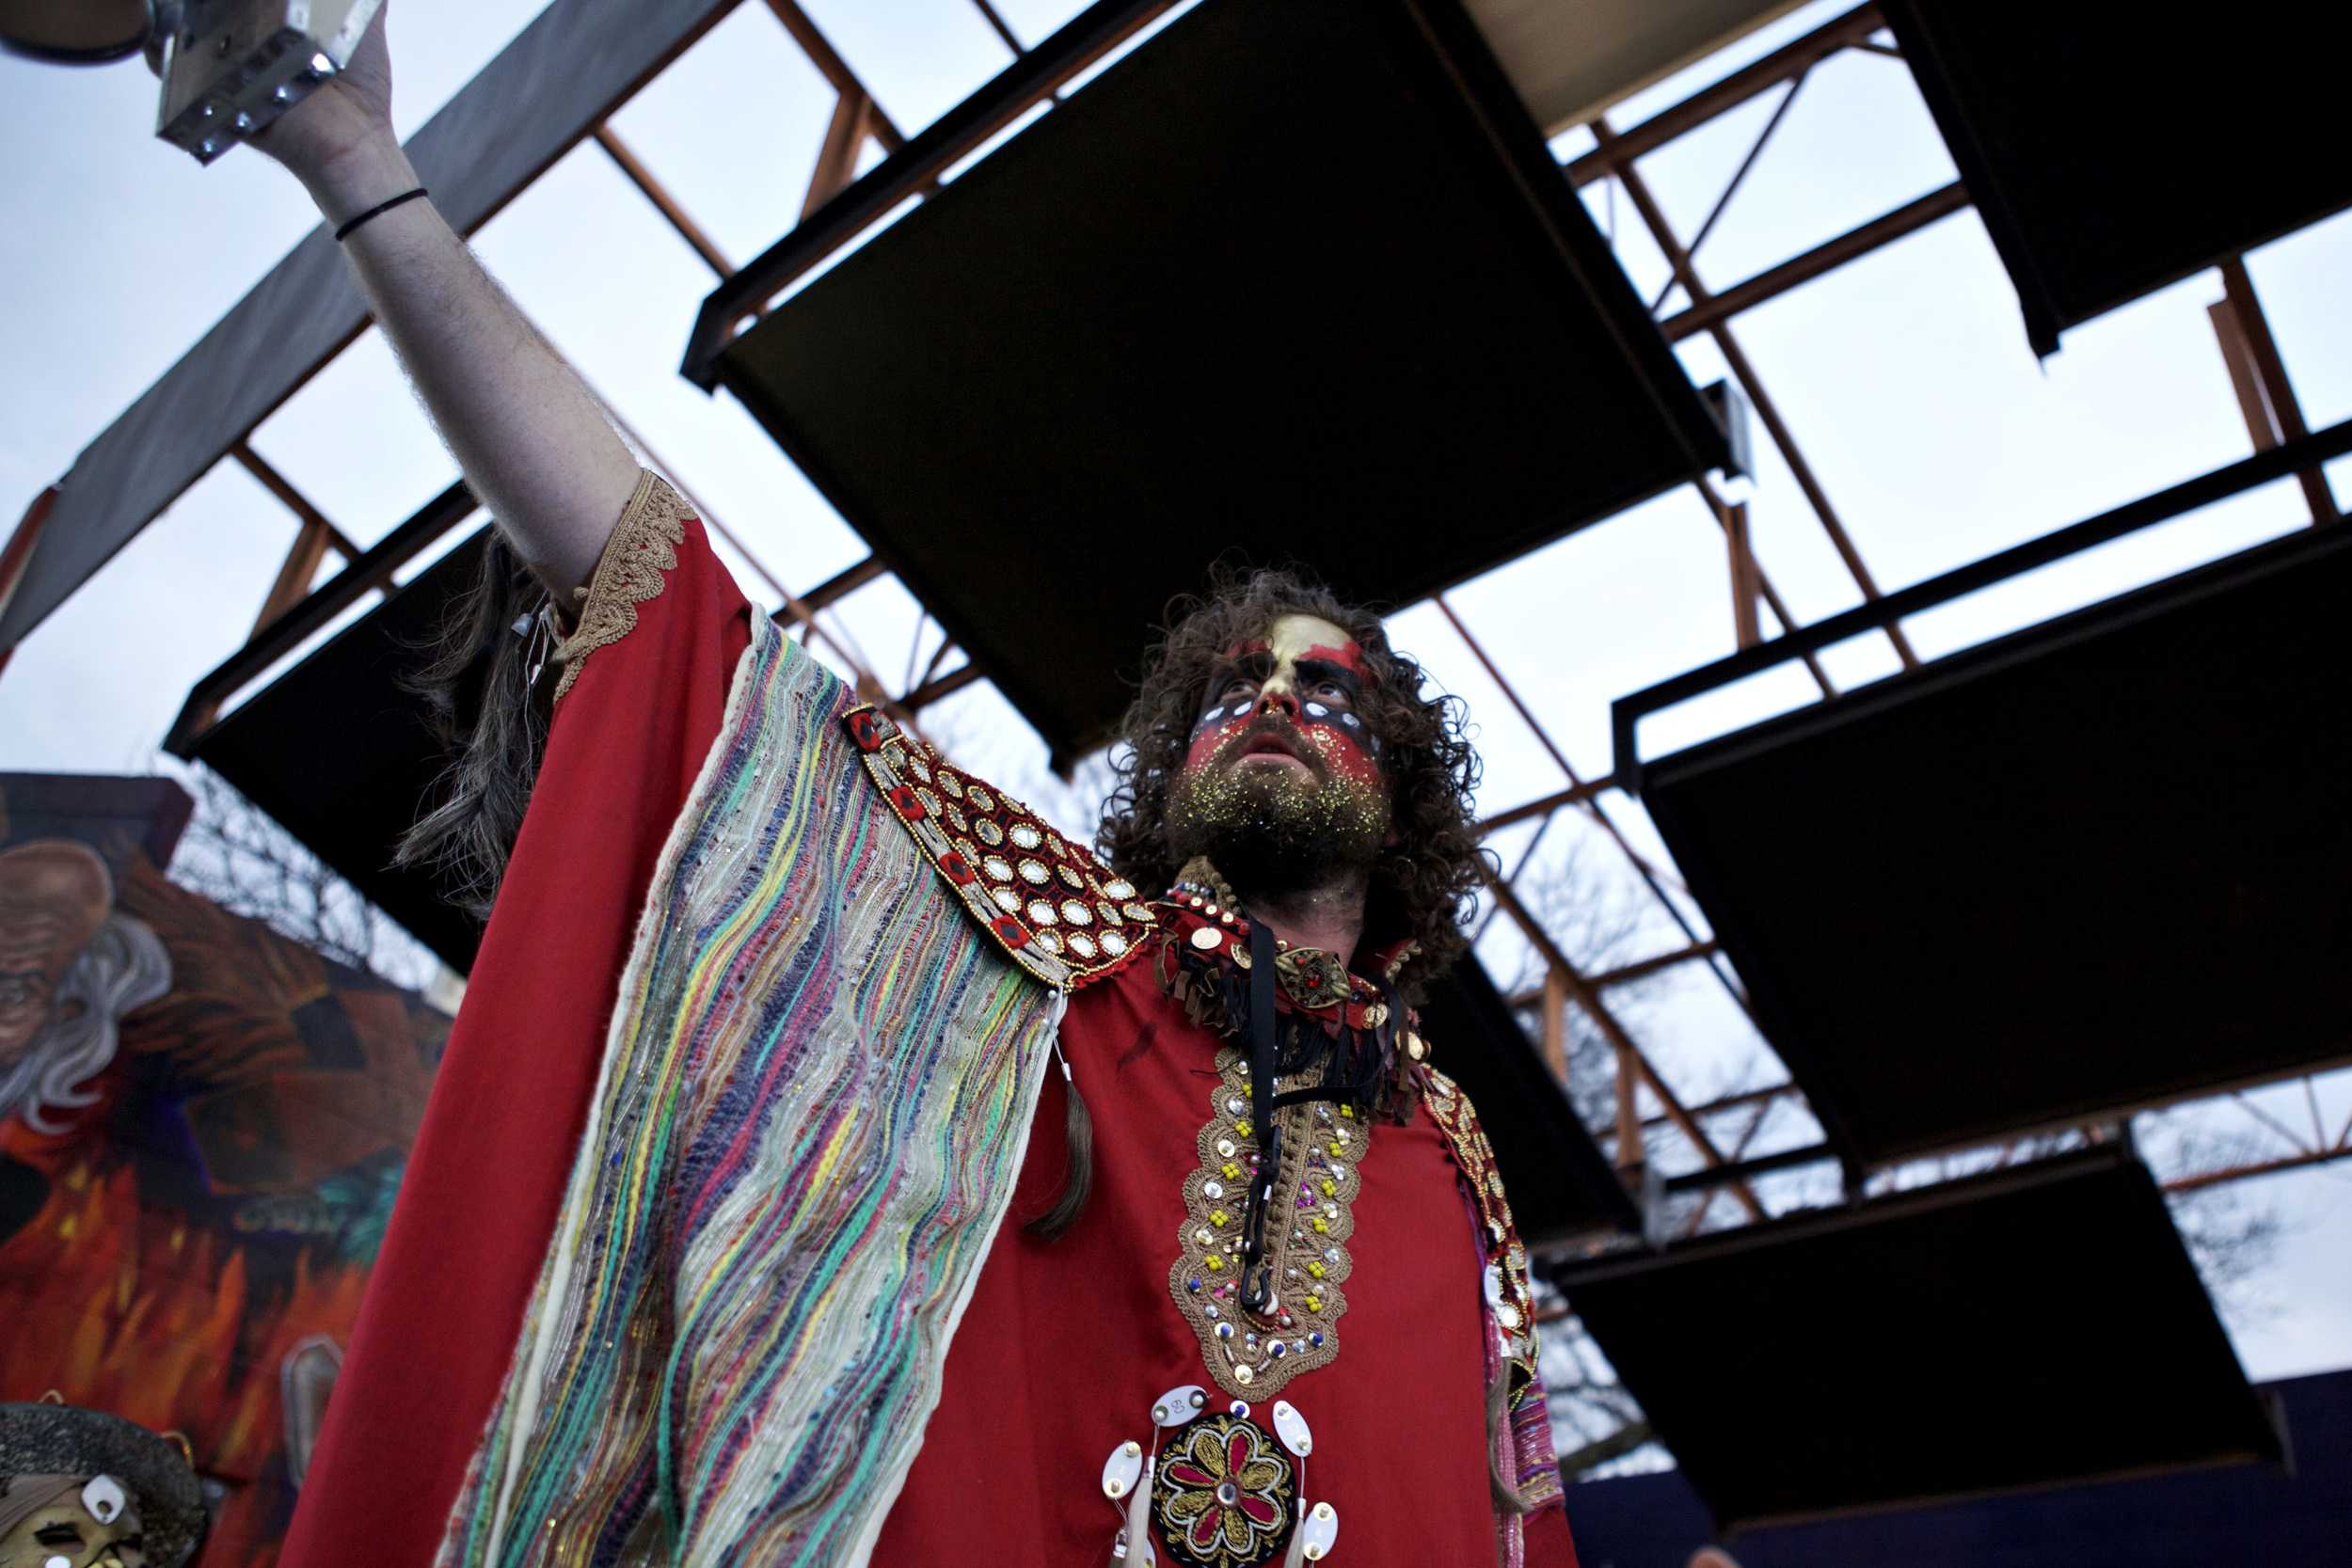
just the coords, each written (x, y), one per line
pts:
(1248, 1355)
(1056, 911)
(1510, 1305)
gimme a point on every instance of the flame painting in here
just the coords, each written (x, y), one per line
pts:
(203, 1124)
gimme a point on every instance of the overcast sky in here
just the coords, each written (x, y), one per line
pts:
(1906, 378)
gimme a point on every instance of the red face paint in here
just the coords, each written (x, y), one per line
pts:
(1215, 731)
(1349, 657)
(1303, 692)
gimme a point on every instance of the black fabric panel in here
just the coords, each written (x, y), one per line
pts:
(2038, 1326)
(2098, 863)
(1290, 282)
(342, 757)
(2257, 1514)
(2110, 153)
(1561, 1184)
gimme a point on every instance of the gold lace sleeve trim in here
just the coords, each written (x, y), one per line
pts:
(643, 550)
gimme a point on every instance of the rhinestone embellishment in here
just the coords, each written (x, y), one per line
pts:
(1297, 1332)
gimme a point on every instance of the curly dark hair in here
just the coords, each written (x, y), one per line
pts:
(1422, 884)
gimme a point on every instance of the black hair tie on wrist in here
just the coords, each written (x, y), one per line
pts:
(379, 211)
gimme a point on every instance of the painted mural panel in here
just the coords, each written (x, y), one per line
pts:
(202, 1123)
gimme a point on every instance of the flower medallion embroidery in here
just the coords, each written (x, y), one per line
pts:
(1252, 1356)
(1225, 1494)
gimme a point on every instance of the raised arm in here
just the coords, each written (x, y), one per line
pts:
(532, 438)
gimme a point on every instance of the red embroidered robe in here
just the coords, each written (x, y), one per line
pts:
(1063, 1346)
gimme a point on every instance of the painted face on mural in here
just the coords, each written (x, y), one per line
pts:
(1282, 783)
(87, 1521)
(54, 896)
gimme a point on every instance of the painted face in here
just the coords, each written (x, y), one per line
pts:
(54, 895)
(1282, 785)
(87, 1523)
(1287, 702)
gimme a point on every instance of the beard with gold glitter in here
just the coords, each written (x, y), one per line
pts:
(1273, 824)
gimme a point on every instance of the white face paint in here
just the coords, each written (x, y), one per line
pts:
(1289, 640)
(1308, 669)
(1276, 785)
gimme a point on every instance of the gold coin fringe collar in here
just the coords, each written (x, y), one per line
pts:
(1058, 911)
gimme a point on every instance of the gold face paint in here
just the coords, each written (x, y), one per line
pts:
(1282, 779)
(1293, 691)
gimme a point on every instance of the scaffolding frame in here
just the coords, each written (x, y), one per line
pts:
(839, 207)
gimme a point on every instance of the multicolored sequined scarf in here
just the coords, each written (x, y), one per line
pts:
(816, 1095)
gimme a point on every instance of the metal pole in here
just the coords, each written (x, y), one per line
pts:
(1632, 1150)
(831, 66)
(1012, 40)
(1555, 1020)
(1792, 59)
(1638, 970)
(1637, 191)
(300, 506)
(1739, 178)
(1649, 874)
(836, 159)
(1880, 231)
(2238, 358)
(1630, 1052)
(1546, 805)
(655, 191)
(2276, 389)
(2263, 1167)
(1543, 737)
(1744, 629)
(295, 575)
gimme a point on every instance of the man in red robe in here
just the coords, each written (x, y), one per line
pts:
(832, 1163)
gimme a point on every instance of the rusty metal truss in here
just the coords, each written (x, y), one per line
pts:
(1714, 1137)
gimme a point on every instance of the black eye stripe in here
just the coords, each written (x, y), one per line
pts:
(1322, 672)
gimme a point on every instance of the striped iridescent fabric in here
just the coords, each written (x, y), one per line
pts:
(813, 1105)
(1535, 1465)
